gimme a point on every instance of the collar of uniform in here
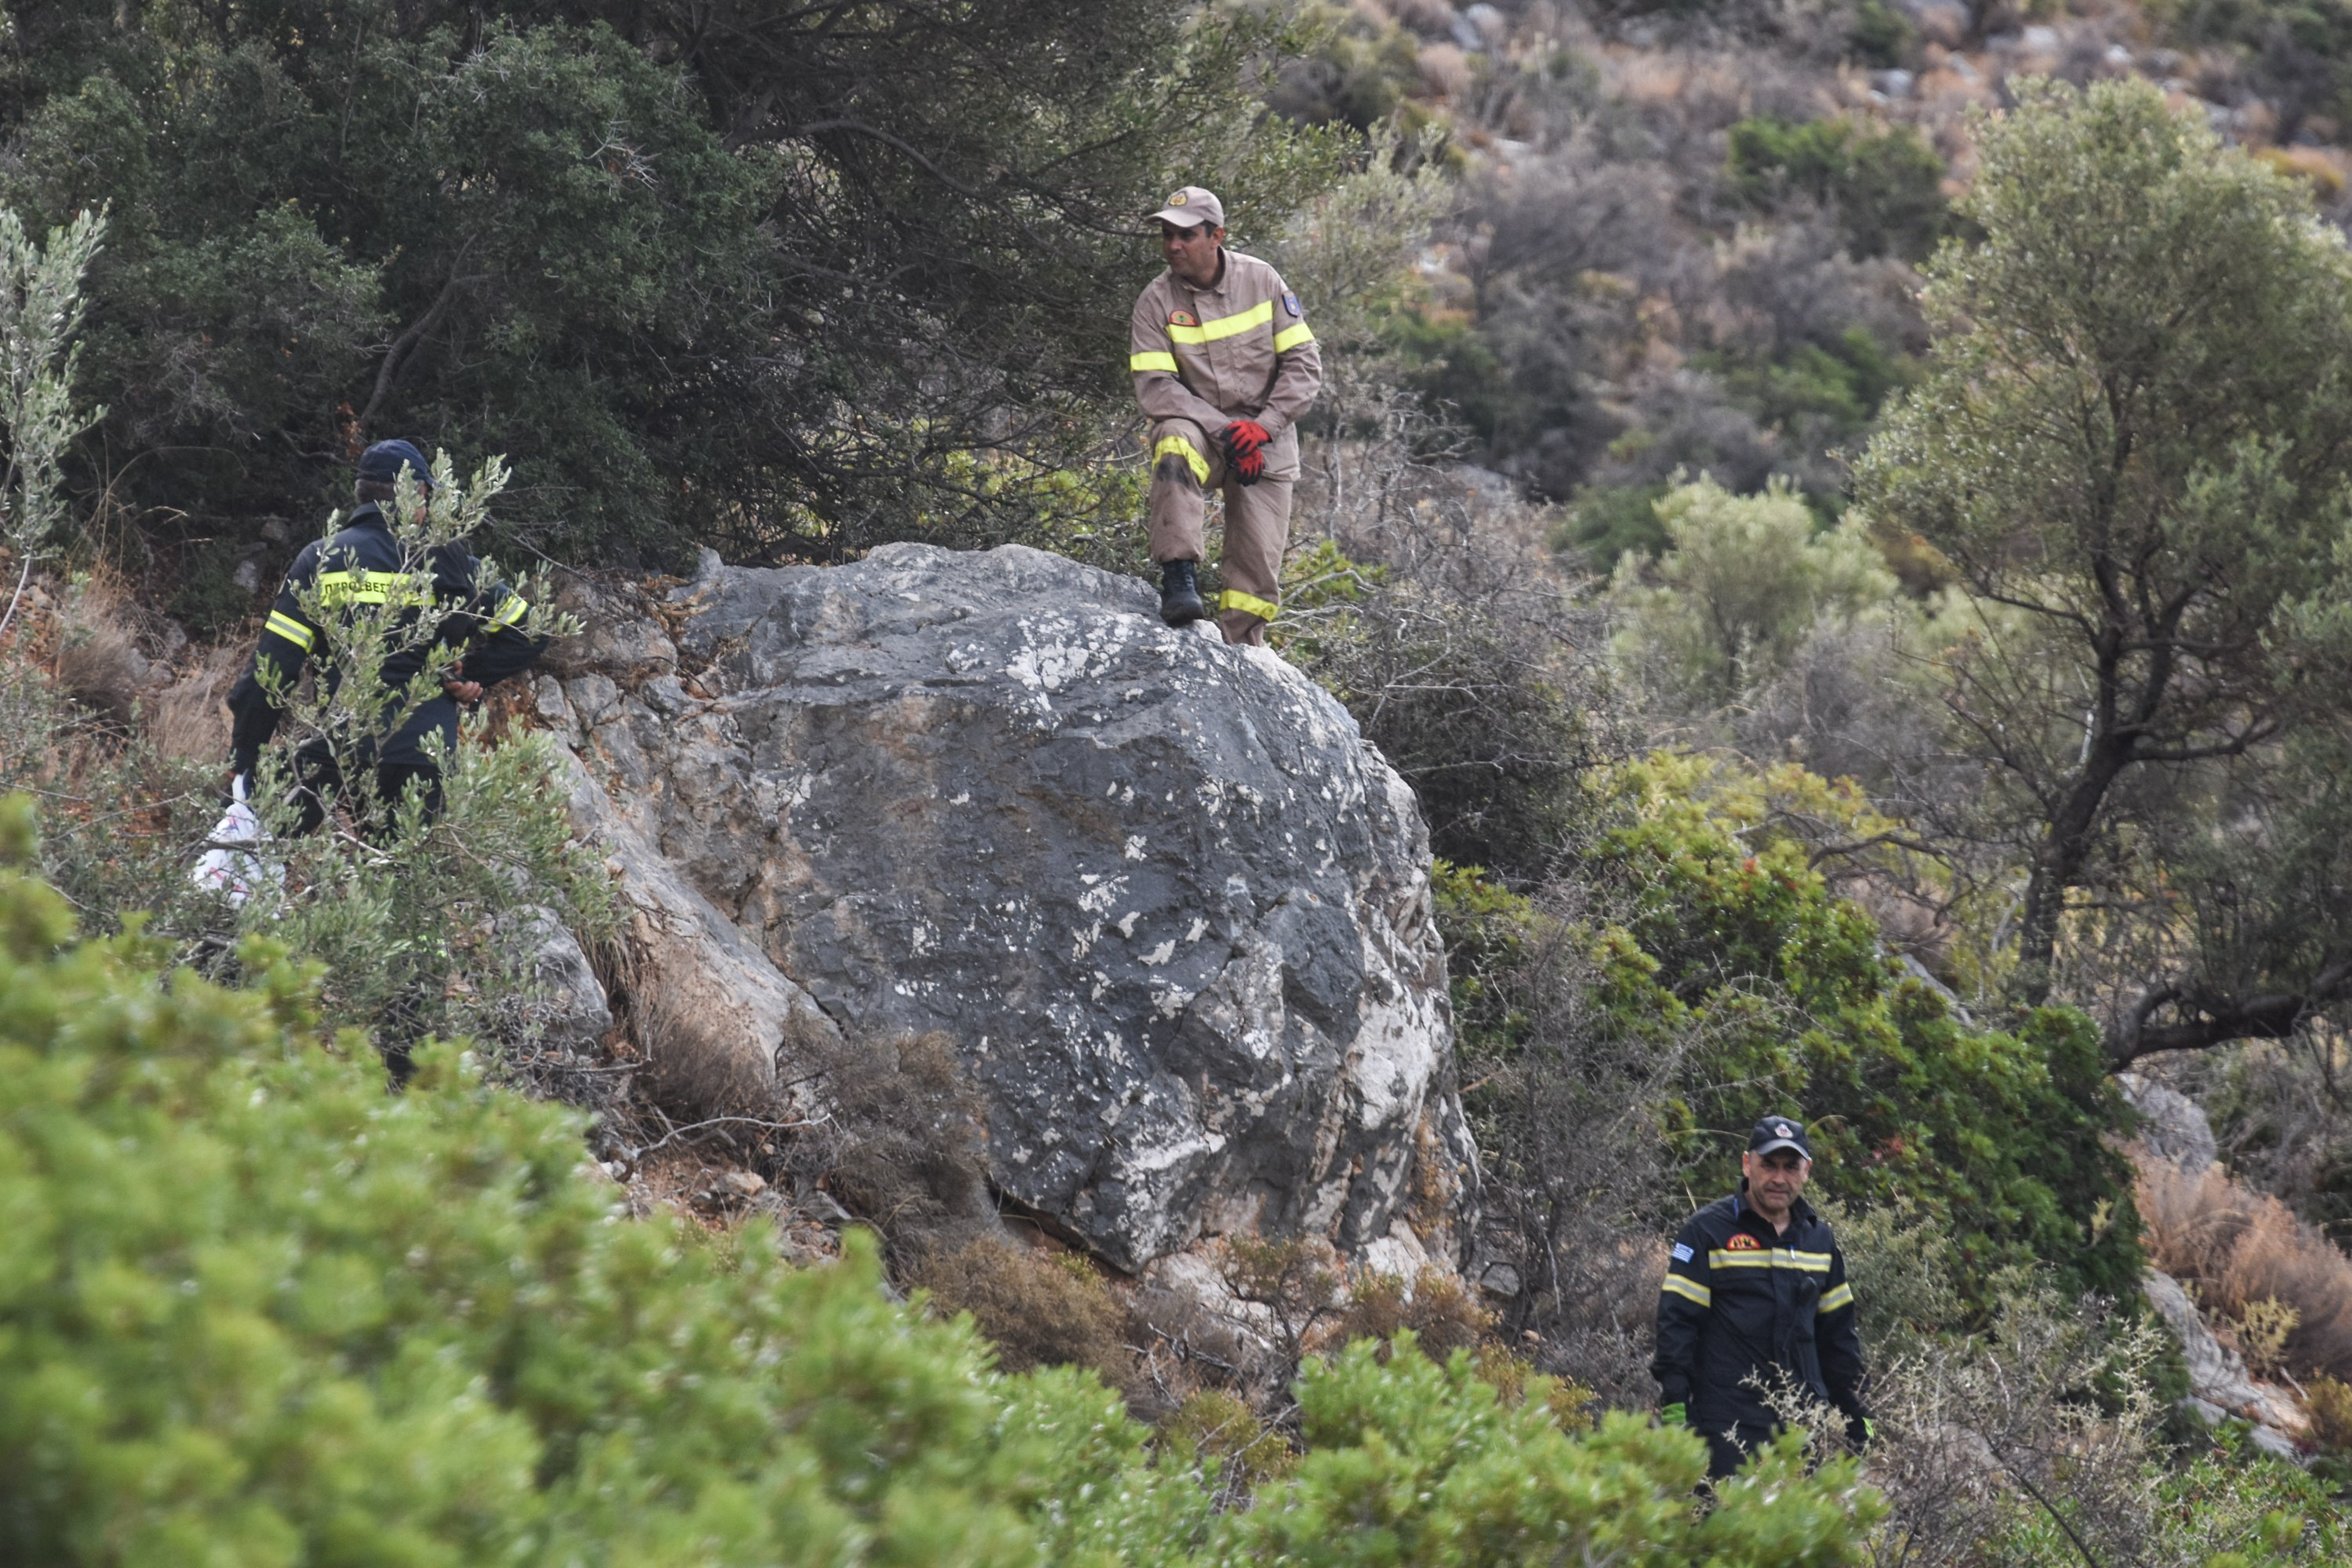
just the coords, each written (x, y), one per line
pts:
(368, 514)
(1799, 1211)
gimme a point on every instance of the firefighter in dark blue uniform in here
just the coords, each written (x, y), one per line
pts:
(366, 564)
(1756, 1293)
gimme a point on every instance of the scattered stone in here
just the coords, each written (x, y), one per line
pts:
(742, 1183)
(1500, 1280)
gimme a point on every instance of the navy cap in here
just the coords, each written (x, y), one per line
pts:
(1779, 1132)
(384, 460)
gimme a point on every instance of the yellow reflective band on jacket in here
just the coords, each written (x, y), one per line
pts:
(1176, 445)
(511, 611)
(1689, 1290)
(1290, 337)
(1841, 1296)
(1139, 363)
(404, 588)
(1258, 315)
(292, 630)
(1770, 1258)
(1234, 599)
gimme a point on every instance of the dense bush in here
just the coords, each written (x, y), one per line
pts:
(1886, 184)
(1712, 949)
(760, 276)
(252, 1309)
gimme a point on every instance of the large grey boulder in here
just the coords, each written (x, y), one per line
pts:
(1172, 910)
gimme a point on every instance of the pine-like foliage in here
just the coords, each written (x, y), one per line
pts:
(254, 1310)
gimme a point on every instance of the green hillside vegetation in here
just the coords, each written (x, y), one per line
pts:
(1837, 508)
(257, 1311)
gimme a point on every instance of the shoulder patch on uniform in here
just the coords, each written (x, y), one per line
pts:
(1682, 1254)
(1742, 1242)
(1181, 318)
(1290, 304)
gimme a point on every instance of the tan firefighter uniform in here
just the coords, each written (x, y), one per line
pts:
(1203, 358)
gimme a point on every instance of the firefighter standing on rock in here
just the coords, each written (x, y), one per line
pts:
(1224, 364)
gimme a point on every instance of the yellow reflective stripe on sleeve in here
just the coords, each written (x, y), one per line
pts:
(1290, 337)
(1258, 315)
(1234, 599)
(511, 611)
(1179, 445)
(1689, 1290)
(292, 630)
(1841, 1296)
(1139, 363)
(338, 589)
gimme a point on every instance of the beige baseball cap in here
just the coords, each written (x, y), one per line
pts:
(1189, 207)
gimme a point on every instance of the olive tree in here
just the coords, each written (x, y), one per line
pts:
(2133, 441)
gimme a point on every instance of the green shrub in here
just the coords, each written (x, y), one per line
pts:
(255, 1310)
(1745, 578)
(1837, 388)
(1410, 1463)
(1717, 950)
(1886, 184)
(1604, 522)
(2000, 1136)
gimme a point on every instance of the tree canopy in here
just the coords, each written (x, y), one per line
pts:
(763, 276)
(2134, 440)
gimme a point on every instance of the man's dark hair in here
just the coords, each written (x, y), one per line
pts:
(366, 491)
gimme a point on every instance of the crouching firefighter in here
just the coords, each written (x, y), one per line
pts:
(1224, 364)
(364, 563)
(1756, 1300)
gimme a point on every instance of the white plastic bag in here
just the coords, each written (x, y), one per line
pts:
(228, 869)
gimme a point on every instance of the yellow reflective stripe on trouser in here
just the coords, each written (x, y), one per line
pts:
(1258, 315)
(1290, 337)
(1689, 1289)
(374, 588)
(292, 630)
(1841, 1296)
(511, 611)
(1139, 363)
(1234, 599)
(1178, 446)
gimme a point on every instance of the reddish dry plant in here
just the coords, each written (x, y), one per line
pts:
(2242, 1248)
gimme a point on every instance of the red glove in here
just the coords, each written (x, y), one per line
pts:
(1245, 442)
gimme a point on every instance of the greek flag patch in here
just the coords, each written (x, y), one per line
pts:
(1290, 304)
(1682, 1253)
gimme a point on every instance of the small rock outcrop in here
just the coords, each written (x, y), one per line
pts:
(2220, 1386)
(1173, 911)
(2171, 1125)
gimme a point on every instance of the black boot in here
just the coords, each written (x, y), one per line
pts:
(1179, 596)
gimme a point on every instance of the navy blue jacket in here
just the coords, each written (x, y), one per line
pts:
(1742, 1301)
(363, 563)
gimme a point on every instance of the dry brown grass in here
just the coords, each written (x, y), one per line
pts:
(2242, 1248)
(1437, 1306)
(1037, 1307)
(190, 717)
